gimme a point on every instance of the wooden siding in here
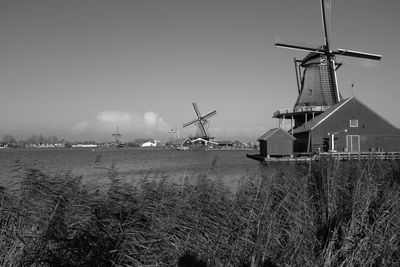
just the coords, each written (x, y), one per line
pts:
(376, 134)
(276, 143)
(280, 148)
(311, 93)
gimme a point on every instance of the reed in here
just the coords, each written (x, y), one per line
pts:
(326, 213)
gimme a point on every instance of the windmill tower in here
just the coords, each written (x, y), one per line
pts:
(202, 122)
(316, 74)
(117, 138)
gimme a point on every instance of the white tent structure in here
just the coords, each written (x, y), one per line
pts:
(150, 144)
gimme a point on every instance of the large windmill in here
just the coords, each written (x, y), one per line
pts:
(320, 115)
(316, 74)
(202, 122)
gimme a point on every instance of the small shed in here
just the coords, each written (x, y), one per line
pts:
(276, 142)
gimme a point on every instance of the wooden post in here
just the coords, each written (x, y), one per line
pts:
(291, 125)
(284, 118)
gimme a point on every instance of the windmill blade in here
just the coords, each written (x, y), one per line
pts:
(190, 123)
(326, 21)
(209, 115)
(196, 109)
(295, 46)
(202, 129)
(351, 53)
(357, 61)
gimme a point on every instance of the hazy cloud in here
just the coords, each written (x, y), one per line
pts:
(150, 124)
(114, 117)
(153, 120)
(131, 124)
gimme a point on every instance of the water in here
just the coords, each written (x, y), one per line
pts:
(131, 164)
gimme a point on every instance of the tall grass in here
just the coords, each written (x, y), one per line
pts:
(326, 213)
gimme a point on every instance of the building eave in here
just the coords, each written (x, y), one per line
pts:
(373, 111)
(331, 112)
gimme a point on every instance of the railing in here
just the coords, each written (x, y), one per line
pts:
(343, 156)
(362, 155)
(304, 109)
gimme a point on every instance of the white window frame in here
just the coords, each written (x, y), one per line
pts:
(352, 124)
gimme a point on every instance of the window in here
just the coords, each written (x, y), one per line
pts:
(353, 123)
(353, 143)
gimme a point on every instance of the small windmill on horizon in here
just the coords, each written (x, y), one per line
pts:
(174, 133)
(117, 138)
(202, 123)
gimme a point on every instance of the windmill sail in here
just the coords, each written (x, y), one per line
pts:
(202, 129)
(209, 115)
(350, 53)
(318, 85)
(326, 21)
(190, 122)
(200, 121)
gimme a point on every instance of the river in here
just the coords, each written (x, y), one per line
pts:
(131, 164)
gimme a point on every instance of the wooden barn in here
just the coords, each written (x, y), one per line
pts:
(276, 142)
(347, 126)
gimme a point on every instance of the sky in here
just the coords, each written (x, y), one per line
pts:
(77, 69)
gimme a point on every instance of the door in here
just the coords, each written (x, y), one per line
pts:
(353, 143)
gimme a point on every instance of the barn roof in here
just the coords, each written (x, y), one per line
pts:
(312, 124)
(273, 131)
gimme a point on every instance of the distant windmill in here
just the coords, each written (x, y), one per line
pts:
(316, 73)
(117, 138)
(202, 122)
(175, 133)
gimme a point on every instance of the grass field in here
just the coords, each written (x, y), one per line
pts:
(326, 213)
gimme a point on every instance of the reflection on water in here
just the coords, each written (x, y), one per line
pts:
(132, 164)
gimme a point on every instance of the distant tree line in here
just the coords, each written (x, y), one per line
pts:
(40, 139)
(10, 140)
